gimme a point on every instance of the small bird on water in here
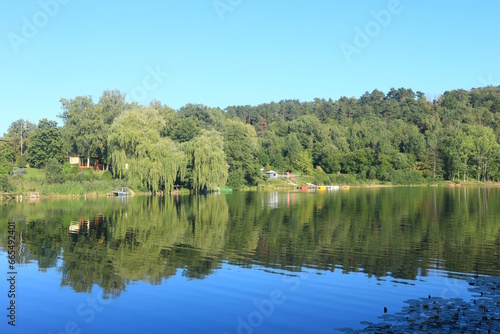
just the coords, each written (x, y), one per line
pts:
(385, 309)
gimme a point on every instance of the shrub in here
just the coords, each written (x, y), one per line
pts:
(75, 173)
(372, 173)
(5, 168)
(66, 171)
(235, 179)
(320, 178)
(342, 179)
(88, 175)
(22, 161)
(406, 177)
(71, 173)
(5, 185)
(53, 172)
(107, 176)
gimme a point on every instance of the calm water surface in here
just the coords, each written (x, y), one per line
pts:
(275, 262)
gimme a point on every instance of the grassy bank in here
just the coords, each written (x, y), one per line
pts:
(68, 187)
(95, 184)
(87, 183)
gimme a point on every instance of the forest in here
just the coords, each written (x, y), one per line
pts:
(400, 137)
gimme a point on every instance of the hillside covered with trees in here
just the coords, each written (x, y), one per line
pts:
(398, 137)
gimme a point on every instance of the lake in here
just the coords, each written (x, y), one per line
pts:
(252, 262)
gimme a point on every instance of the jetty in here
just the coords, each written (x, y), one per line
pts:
(124, 192)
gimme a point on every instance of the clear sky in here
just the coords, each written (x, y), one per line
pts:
(234, 52)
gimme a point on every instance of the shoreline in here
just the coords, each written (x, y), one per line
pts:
(35, 195)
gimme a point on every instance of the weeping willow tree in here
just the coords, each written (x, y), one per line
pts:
(140, 153)
(207, 161)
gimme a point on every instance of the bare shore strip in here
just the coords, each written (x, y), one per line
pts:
(438, 315)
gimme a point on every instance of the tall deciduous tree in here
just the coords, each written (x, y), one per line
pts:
(486, 150)
(432, 156)
(112, 104)
(241, 148)
(87, 125)
(18, 136)
(6, 151)
(207, 161)
(45, 144)
(140, 153)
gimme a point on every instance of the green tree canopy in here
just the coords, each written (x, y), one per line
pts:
(140, 153)
(18, 136)
(207, 161)
(241, 149)
(46, 143)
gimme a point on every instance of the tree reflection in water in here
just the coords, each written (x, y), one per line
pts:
(400, 232)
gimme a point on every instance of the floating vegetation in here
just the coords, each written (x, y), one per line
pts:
(435, 314)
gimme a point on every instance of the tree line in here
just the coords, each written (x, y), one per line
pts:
(398, 137)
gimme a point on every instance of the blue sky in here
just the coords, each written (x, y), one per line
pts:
(234, 52)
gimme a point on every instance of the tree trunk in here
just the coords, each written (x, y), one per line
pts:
(485, 168)
(434, 167)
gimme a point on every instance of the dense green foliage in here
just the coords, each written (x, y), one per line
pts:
(241, 147)
(399, 137)
(141, 153)
(5, 184)
(46, 143)
(206, 161)
(87, 125)
(53, 172)
(17, 139)
(5, 171)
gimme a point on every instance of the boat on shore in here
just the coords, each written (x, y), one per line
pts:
(123, 193)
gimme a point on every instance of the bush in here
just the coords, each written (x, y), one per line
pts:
(5, 168)
(5, 185)
(361, 176)
(342, 179)
(75, 174)
(22, 161)
(107, 176)
(54, 172)
(235, 179)
(71, 173)
(406, 177)
(320, 178)
(88, 175)
(372, 173)
(66, 171)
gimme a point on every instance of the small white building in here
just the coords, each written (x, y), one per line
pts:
(272, 174)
